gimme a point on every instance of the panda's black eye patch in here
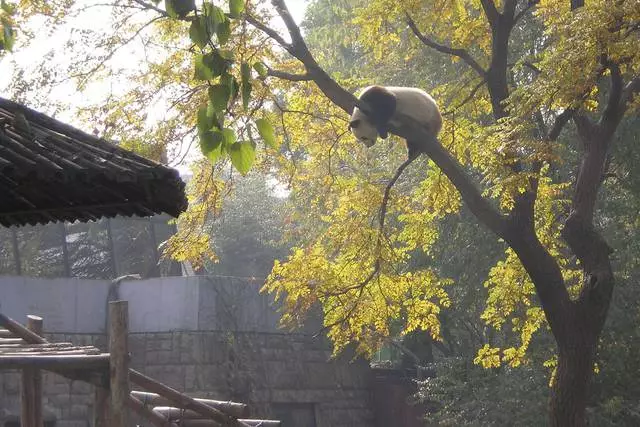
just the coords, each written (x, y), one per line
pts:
(354, 124)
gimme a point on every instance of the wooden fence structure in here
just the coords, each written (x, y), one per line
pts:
(24, 348)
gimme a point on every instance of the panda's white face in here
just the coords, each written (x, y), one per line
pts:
(362, 129)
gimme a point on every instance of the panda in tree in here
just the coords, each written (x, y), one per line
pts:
(389, 104)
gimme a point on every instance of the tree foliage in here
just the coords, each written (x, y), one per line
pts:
(533, 94)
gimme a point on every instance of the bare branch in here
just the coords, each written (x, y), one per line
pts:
(273, 34)
(460, 53)
(292, 28)
(387, 192)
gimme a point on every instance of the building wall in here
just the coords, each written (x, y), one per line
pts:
(210, 337)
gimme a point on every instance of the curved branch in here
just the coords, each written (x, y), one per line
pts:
(460, 53)
(273, 34)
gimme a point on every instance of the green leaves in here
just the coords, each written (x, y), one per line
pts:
(211, 144)
(198, 33)
(8, 34)
(261, 69)
(179, 8)
(223, 31)
(219, 95)
(206, 119)
(210, 65)
(235, 8)
(242, 154)
(266, 132)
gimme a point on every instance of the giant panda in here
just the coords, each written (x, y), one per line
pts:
(387, 104)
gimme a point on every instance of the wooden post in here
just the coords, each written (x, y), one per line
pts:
(32, 384)
(119, 363)
(101, 406)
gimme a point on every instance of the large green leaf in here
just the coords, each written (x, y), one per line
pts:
(229, 137)
(211, 144)
(198, 33)
(206, 119)
(216, 63)
(230, 81)
(203, 71)
(214, 13)
(223, 31)
(242, 155)
(235, 8)
(219, 95)
(265, 129)
(8, 36)
(260, 68)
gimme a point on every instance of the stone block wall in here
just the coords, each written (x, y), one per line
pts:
(285, 376)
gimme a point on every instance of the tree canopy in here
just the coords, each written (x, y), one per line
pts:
(534, 94)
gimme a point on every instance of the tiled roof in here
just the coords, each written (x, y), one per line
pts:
(50, 171)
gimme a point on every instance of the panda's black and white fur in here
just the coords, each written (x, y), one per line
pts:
(387, 104)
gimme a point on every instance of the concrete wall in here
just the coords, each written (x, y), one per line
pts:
(159, 304)
(210, 337)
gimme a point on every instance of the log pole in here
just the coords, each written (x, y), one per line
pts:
(119, 363)
(31, 393)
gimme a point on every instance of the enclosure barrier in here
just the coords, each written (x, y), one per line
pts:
(24, 348)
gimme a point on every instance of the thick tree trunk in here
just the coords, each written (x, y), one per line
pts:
(570, 390)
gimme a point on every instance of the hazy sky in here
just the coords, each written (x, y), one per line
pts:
(29, 56)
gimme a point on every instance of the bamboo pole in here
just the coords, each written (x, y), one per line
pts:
(19, 330)
(5, 333)
(183, 400)
(232, 408)
(119, 363)
(209, 423)
(31, 397)
(188, 417)
(55, 362)
(32, 338)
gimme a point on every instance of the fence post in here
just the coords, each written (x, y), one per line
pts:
(31, 397)
(119, 363)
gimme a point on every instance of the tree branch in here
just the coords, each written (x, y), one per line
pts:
(490, 11)
(460, 53)
(149, 6)
(273, 34)
(561, 120)
(612, 110)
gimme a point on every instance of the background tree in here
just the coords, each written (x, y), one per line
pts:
(519, 73)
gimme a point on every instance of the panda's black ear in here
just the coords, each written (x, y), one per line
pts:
(382, 103)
